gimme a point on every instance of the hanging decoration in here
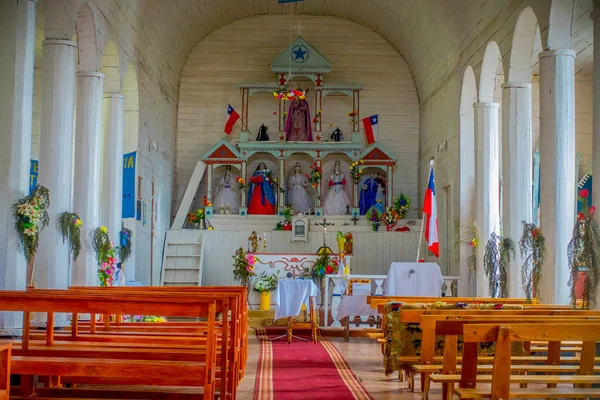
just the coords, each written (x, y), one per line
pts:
(470, 237)
(105, 255)
(532, 246)
(355, 170)
(584, 253)
(498, 253)
(402, 204)
(31, 216)
(70, 228)
(125, 243)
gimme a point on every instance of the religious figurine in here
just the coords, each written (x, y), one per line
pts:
(227, 193)
(298, 198)
(261, 196)
(337, 135)
(368, 194)
(336, 200)
(263, 134)
(253, 242)
(227, 209)
(298, 125)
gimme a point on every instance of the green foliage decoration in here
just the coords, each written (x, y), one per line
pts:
(532, 246)
(70, 229)
(125, 244)
(498, 253)
(31, 216)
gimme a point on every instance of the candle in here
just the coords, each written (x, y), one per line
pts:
(265, 235)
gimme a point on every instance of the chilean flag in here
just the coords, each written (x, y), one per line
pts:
(371, 125)
(431, 225)
(232, 118)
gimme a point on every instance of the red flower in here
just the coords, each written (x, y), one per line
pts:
(311, 167)
(580, 216)
(498, 306)
(584, 193)
(592, 210)
(306, 175)
(329, 269)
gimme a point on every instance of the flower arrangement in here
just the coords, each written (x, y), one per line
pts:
(266, 283)
(105, 255)
(315, 176)
(243, 266)
(125, 244)
(402, 204)
(31, 216)
(349, 244)
(390, 217)
(197, 216)
(70, 228)
(471, 238)
(289, 95)
(584, 253)
(317, 117)
(206, 202)
(352, 114)
(355, 170)
(241, 183)
(498, 253)
(532, 246)
(286, 224)
(374, 216)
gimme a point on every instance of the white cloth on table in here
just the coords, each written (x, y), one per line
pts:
(291, 294)
(352, 306)
(413, 279)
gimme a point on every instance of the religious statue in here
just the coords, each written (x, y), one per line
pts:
(261, 196)
(368, 194)
(336, 200)
(227, 195)
(298, 124)
(298, 198)
(253, 242)
(263, 135)
(337, 135)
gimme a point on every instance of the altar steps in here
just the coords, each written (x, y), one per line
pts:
(182, 258)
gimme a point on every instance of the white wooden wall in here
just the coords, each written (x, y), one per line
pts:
(241, 53)
(374, 251)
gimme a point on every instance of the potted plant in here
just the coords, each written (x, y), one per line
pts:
(196, 218)
(243, 267)
(265, 284)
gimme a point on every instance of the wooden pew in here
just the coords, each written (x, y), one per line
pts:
(505, 333)
(174, 373)
(5, 354)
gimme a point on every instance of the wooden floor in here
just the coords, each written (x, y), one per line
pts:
(366, 361)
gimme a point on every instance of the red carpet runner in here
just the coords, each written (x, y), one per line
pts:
(305, 370)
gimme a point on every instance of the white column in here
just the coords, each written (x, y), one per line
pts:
(596, 120)
(113, 164)
(88, 150)
(15, 139)
(56, 158)
(517, 172)
(487, 178)
(557, 164)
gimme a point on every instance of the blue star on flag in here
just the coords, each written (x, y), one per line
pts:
(374, 119)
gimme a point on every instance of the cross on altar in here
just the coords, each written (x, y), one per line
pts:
(324, 226)
(354, 219)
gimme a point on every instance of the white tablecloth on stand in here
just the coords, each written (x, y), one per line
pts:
(291, 294)
(353, 306)
(414, 279)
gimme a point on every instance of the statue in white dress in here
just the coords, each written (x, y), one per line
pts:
(298, 197)
(227, 195)
(336, 200)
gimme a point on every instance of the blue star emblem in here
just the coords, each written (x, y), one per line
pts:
(299, 53)
(355, 213)
(318, 213)
(242, 212)
(208, 212)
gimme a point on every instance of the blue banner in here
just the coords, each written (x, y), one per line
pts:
(129, 185)
(33, 174)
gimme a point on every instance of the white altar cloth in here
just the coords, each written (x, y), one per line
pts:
(291, 294)
(354, 306)
(414, 279)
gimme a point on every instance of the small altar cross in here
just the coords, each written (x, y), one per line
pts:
(324, 226)
(354, 219)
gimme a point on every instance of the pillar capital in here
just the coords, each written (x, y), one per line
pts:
(58, 42)
(91, 74)
(516, 85)
(486, 104)
(557, 53)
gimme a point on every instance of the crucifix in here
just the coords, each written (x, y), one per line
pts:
(354, 219)
(324, 226)
(299, 27)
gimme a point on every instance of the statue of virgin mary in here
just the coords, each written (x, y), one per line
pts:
(261, 196)
(298, 124)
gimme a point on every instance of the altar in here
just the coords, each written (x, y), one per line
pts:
(286, 266)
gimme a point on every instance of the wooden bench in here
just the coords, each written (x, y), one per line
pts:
(173, 373)
(505, 333)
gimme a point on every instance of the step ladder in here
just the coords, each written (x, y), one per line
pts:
(182, 258)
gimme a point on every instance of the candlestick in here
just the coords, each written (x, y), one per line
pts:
(265, 244)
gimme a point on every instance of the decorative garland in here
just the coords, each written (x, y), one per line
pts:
(105, 254)
(355, 170)
(533, 251)
(70, 228)
(125, 244)
(470, 237)
(498, 253)
(31, 216)
(584, 253)
(402, 204)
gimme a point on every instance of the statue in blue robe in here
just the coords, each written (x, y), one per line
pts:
(261, 196)
(368, 194)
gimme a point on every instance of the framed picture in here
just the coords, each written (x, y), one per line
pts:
(299, 229)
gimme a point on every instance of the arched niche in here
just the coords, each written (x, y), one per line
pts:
(306, 161)
(263, 109)
(328, 164)
(272, 164)
(218, 173)
(337, 105)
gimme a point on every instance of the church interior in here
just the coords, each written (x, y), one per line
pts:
(299, 199)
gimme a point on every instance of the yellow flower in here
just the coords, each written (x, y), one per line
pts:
(210, 228)
(103, 229)
(360, 171)
(362, 161)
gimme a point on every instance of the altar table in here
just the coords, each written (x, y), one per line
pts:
(414, 279)
(288, 266)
